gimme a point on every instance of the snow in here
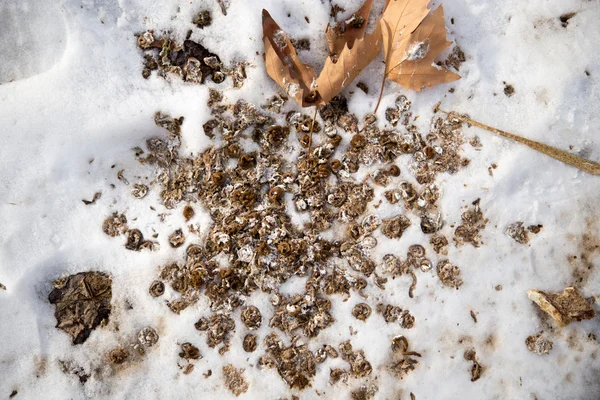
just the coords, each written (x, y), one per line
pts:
(73, 104)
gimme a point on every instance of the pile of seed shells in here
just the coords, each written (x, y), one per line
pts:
(253, 246)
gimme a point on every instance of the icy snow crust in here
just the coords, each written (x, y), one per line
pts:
(71, 92)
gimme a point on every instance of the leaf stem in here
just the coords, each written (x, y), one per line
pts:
(310, 133)
(588, 166)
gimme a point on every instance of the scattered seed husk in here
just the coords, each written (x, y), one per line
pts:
(564, 307)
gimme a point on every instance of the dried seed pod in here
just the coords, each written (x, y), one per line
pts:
(276, 134)
(192, 70)
(118, 356)
(449, 274)
(251, 317)
(336, 140)
(537, 344)
(354, 231)
(157, 289)
(368, 242)
(176, 239)
(431, 223)
(381, 178)
(416, 251)
(146, 40)
(139, 191)
(188, 212)
(276, 195)
(201, 324)
(399, 344)
(247, 161)
(358, 141)
(361, 311)
(370, 223)
(335, 164)
(392, 115)
(218, 178)
(218, 77)
(394, 170)
(403, 103)
(233, 150)
(305, 141)
(189, 352)
(338, 375)
(115, 224)
(148, 337)
(394, 228)
(202, 19)
(407, 148)
(249, 343)
(429, 152)
(425, 265)
(134, 239)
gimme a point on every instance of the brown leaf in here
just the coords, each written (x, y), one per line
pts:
(417, 70)
(400, 18)
(283, 65)
(336, 76)
(348, 31)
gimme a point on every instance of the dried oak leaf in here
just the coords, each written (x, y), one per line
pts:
(349, 30)
(283, 65)
(337, 75)
(564, 307)
(82, 303)
(410, 53)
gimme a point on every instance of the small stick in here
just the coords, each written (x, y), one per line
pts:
(312, 125)
(588, 166)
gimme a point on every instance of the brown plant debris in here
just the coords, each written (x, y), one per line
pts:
(359, 366)
(118, 356)
(364, 392)
(476, 369)
(403, 361)
(393, 314)
(564, 18)
(115, 224)
(394, 228)
(234, 380)
(189, 352)
(564, 307)
(295, 364)
(97, 196)
(218, 328)
(517, 232)
(449, 274)
(252, 246)
(202, 19)
(538, 345)
(250, 343)
(139, 190)
(176, 239)
(189, 60)
(148, 337)
(473, 222)
(361, 311)
(82, 303)
(251, 317)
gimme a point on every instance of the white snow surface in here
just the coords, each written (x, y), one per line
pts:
(71, 91)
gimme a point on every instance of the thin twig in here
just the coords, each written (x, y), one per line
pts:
(312, 125)
(588, 166)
